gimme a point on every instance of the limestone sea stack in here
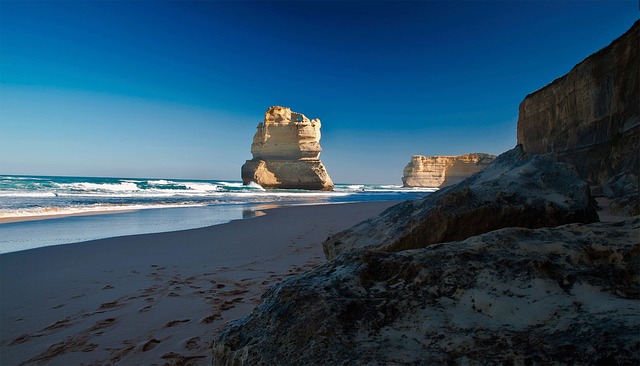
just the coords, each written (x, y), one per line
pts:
(442, 171)
(286, 153)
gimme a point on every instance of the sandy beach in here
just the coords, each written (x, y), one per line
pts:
(155, 298)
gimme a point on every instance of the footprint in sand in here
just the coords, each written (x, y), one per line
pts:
(103, 324)
(192, 343)
(110, 305)
(145, 309)
(227, 305)
(150, 344)
(211, 318)
(176, 322)
(64, 323)
(116, 354)
(23, 338)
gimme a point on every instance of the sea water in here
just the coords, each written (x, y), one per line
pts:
(148, 205)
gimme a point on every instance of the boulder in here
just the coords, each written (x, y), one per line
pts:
(286, 153)
(590, 117)
(516, 296)
(516, 190)
(442, 171)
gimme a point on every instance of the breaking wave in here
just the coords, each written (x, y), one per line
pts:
(33, 196)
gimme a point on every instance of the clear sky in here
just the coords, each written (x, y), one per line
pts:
(175, 89)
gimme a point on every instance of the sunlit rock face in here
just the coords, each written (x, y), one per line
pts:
(442, 171)
(590, 117)
(286, 150)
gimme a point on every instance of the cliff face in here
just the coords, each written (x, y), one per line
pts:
(442, 171)
(591, 117)
(286, 150)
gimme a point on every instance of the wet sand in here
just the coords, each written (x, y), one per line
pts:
(155, 298)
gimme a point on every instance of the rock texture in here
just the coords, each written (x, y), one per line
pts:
(567, 295)
(286, 150)
(442, 171)
(516, 190)
(591, 119)
(506, 267)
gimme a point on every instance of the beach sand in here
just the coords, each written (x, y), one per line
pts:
(155, 298)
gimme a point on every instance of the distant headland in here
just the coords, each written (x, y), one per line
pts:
(442, 171)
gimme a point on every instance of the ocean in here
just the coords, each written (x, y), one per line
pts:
(142, 206)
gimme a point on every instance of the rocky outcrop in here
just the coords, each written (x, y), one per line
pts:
(516, 190)
(442, 171)
(286, 150)
(591, 119)
(567, 295)
(505, 267)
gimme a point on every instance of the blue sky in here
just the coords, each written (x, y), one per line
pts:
(175, 89)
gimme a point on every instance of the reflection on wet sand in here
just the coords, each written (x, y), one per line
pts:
(256, 211)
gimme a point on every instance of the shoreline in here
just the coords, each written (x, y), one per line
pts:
(156, 298)
(60, 229)
(14, 219)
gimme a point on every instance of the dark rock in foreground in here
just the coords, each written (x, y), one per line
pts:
(567, 295)
(516, 190)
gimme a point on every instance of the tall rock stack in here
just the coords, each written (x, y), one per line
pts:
(442, 171)
(590, 117)
(286, 150)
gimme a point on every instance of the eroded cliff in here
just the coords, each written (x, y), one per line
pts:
(286, 150)
(590, 117)
(442, 171)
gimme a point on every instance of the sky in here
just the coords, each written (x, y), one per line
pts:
(175, 89)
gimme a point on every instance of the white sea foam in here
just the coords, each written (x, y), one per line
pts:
(104, 187)
(231, 184)
(160, 182)
(34, 196)
(256, 186)
(201, 187)
(27, 194)
(75, 210)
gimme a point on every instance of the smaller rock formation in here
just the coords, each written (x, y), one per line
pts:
(516, 190)
(552, 296)
(286, 150)
(442, 171)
